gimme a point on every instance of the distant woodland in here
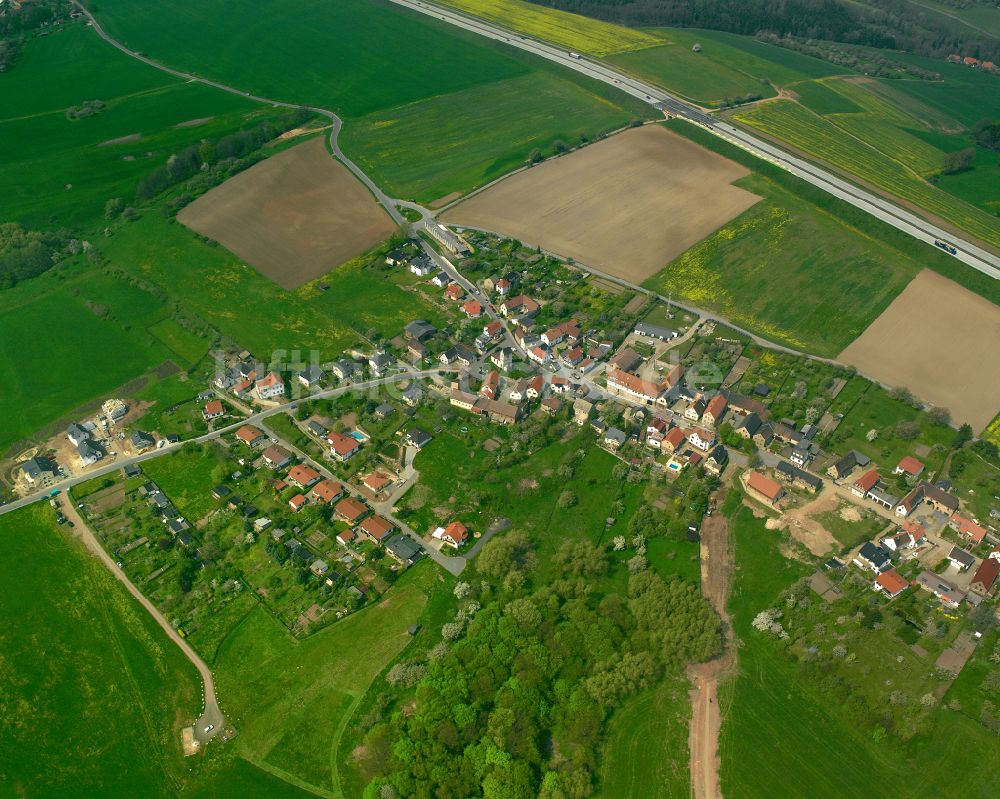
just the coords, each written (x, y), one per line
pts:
(892, 24)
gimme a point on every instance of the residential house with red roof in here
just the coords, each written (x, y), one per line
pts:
(303, 476)
(270, 386)
(455, 534)
(865, 483)
(350, 510)
(297, 503)
(472, 308)
(454, 292)
(213, 410)
(715, 410)
(891, 583)
(377, 528)
(963, 526)
(250, 435)
(762, 487)
(986, 575)
(276, 457)
(326, 491)
(909, 466)
(342, 447)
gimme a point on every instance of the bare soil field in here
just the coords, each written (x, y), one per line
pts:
(625, 206)
(942, 342)
(293, 217)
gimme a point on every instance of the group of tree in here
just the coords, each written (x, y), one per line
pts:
(187, 163)
(19, 20)
(886, 24)
(871, 62)
(26, 253)
(515, 706)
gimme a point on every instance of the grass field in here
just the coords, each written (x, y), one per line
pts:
(63, 171)
(573, 31)
(332, 55)
(785, 247)
(646, 746)
(41, 326)
(93, 694)
(812, 748)
(833, 274)
(726, 67)
(877, 151)
(397, 146)
(292, 699)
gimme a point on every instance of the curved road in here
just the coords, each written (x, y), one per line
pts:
(892, 214)
(336, 122)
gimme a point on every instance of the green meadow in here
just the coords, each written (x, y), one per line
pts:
(726, 66)
(457, 111)
(835, 262)
(783, 736)
(63, 170)
(93, 694)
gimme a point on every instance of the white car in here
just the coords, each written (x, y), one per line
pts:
(209, 728)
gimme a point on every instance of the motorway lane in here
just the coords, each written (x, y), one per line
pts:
(882, 209)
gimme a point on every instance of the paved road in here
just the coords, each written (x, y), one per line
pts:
(68, 483)
(384, 508)
(888, 212)
(211, 714)
(335, 121)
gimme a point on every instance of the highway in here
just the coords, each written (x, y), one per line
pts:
(888, 212)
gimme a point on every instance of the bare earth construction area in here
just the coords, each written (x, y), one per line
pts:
(626, 206)
(292, 217)
(942, 342)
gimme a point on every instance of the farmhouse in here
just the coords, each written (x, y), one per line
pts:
(464, 400)
(749, 425)
(848, 464)
(716, 461)
(673, 440)
(967, 527)
(519, 306)
(797, 477)
(622, 382)
(715, 410)
(269, 386)
(764, 488)
(702, 439)
(986, 574)
(625, 359)
(535, 387)
(419, 330)
(949, 594)
(654, 331)
(865, 483)
(883, 498)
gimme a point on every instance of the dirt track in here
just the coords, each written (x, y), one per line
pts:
(706, 718)
(293, 217)
(626, 206)
(942, 342)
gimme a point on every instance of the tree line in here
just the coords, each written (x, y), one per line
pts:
(193, 159)
(513, 702)
(886, 24)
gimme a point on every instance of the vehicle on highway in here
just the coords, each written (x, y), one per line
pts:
(574, 55)
(948, 248)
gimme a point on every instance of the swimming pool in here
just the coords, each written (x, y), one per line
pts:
(358, 436)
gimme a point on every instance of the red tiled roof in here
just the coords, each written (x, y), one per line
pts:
(248, 433)
(377, 527)
(213, 407)
(473, 308)
(342, 444)
(867, 481)
(302, 474)
(675, 437)
(351, 509)
(987, 573)
(345, 536)
(892, 581)
(297, 502)
(376, 481)
(968, 527)
(716, 406)
(764, 485)
(910, 465)
(326, 490)
(268, 380)
(457, 532)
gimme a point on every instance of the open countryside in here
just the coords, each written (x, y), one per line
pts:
(293, 217)
(943, 337)
(671, 471)
(624, 206)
